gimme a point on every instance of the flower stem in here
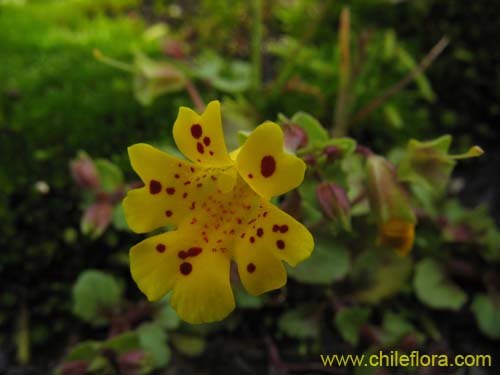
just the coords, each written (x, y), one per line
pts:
(257, 32)
(195, 96)
(98, 55)
(342, 105)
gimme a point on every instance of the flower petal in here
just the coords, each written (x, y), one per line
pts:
(264, 165)
(173, 188)
(199, 277)
(269, 237)
(204, 294)
(154, 264)
(200, 138)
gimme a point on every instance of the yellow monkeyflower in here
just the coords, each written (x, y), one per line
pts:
(219, 206)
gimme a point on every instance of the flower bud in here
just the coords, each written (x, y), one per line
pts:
(429, 163)
(132, 362)
(155, 78)
(84, 172)
(391, 206)
(294, 137)
(334, 203)
(175, 49)
(96, 219)
(331, 152)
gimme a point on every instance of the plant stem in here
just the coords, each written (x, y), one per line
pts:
(257, 31)
(391, 91)
(195, 96)
(341, 107)
(23, 337)
(114, 63)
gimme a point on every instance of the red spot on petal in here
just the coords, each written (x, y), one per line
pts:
(194, 251)
(252, 239)
(264, 214)
(280, 244)
(206, 141)
(184, 195)
(284, 228)
(276, 228)
(192, 169)
(211, 153)
(200, 148)
(176, 175)
(187, 183)
(267, 166)
(154, 187)
(251, 267)
(199, 185)
(168, 213)
(193, 205)
(182, 254)
(250, 175)
(213, 178)
(242, 235)
(170, 190)
(186, 268)
(196, 131)
(160, 248)
(260, 232)
(238, 220)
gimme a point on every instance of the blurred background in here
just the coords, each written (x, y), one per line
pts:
(81, 80)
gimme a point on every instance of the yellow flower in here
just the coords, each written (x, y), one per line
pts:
(219, 205)
(397, 234)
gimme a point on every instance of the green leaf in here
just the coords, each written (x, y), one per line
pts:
(167, 317)
(119, 221)
(123, 343)
(422, 82)
(245, 300)
(487, 312)
(94, 294)
(395, 328)
(350, 320)
(110, 175)
(434, 288)
(299, 324)
(228, 76)
(86, 350)
(153, 339)
(345, 145)
(155, 78)
(316, 134)
(387, 274)
(189, 345)
(328, 262)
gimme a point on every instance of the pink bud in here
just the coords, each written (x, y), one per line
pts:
(332, 152)
(334, 202)
(295, 137)
(174, 48)
(131, 362)
(78, 367)
(309, 159)
(85, 173)
(96, 218)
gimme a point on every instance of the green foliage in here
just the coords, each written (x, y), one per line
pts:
(299, 323)
(154, 340)
(329, 262)
(93, 294)
(487, 312)
(57, 98)
(350, 320)
(434, 289)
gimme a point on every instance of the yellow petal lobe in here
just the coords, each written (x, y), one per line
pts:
(200, 137)
(264, 165)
